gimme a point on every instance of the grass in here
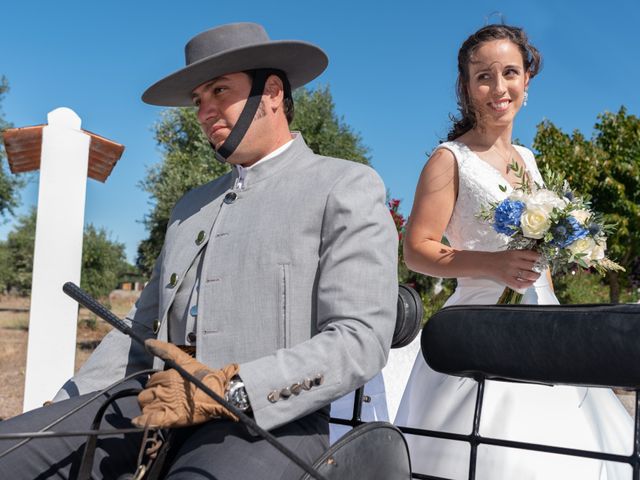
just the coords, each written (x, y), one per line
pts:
(14, 321)
(14, 325)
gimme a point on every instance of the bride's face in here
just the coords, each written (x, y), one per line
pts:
(497, 82)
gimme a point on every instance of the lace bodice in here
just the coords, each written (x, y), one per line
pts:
(478, 185)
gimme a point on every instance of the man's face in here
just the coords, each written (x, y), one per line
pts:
(220, 102)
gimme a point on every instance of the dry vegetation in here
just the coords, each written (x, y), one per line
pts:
(14, 321)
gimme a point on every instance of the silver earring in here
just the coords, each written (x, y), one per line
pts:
(525, 98)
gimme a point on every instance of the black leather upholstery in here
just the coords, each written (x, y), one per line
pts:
(408, 318)
(372, 451)
(593, 345)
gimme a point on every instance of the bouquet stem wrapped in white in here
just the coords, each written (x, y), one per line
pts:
(554, 221)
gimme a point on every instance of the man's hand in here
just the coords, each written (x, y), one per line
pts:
(171, 401)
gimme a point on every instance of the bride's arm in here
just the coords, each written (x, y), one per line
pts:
(424, 251)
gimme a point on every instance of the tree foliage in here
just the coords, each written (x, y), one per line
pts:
(322, 129)
(188, 160)
(606, 167)
(103, 260)
(9, 184)
(5, 266)
(19, 254)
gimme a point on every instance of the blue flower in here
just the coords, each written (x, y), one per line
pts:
(569, 195)
(594, 229)
(567, 231)
(507, 216)
(560, 231)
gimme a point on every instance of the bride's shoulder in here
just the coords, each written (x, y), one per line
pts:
(449, 151)
(451, 146)
(444, 155)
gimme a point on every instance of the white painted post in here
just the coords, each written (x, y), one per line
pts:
(57, 256)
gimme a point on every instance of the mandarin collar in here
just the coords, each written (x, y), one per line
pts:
(269, 166)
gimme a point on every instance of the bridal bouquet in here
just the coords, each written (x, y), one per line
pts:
(554, 221)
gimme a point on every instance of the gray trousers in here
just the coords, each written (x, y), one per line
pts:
(216, 450)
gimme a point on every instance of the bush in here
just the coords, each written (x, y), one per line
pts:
(587, 287)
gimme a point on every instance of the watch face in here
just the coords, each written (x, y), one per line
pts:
(238, 397)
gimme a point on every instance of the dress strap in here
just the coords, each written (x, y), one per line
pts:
(455, 148)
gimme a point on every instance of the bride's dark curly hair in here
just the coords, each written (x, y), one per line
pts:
(531, 58)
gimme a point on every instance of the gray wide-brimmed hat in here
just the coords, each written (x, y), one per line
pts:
(236, 47)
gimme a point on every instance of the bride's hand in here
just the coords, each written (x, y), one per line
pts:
(514, 268)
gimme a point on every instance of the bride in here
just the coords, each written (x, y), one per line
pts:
(495, 66)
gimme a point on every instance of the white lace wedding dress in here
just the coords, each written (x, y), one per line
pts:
(585, 418)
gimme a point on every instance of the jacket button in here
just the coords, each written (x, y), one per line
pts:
(230, 197)
(273, 396)
(200, 237)
(156, 325)
(318, 380)
(191, 336)
(296, 388)
(285, 392)
(307, 383)
(173, 280)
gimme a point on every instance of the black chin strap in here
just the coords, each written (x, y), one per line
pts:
(246, 116)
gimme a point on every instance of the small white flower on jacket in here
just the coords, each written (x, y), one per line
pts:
(535, 222)
(581, 215)
(545, 199)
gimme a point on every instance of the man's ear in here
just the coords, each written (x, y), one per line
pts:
(274, 91)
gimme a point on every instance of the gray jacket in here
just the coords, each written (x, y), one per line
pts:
(298, 284)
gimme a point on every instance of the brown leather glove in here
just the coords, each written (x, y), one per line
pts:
(168, 400)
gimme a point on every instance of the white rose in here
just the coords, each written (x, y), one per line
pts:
(584, 245)
(598, 251)
(581, 215)
(535, 222)
(545, 199)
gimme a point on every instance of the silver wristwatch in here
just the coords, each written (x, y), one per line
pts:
(236, 395)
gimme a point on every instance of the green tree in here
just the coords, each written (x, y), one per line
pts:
(606, 167)
(5, 267)
(103, 260)
(19, 250)
(325, 132)
(188, 159)
(9, 184)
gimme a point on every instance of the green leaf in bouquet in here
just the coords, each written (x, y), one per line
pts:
(579, 259)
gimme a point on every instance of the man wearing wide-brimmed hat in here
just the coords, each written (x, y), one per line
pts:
(279, 277)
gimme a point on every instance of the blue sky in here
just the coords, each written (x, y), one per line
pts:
(392, 73)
